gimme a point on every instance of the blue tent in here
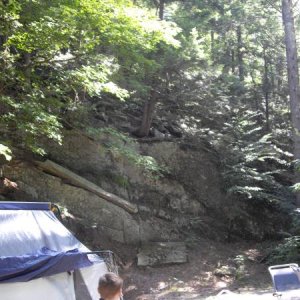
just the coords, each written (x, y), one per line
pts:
(39, 256)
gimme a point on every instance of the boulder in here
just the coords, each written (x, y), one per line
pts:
(153, 254)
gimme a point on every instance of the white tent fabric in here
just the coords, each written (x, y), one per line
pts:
(27, 231)
(56, 287)
(91, 278)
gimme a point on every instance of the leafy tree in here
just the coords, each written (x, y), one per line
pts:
(293, 74)
(55, 55)
(217, 68)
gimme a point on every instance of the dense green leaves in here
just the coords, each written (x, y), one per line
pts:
(55, 55)
(6, 152)
(215, 68)
(286, 252)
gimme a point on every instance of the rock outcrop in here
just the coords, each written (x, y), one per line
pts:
(168, 207)
(188, 200)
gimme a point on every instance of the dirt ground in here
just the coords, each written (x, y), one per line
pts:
(196, 279)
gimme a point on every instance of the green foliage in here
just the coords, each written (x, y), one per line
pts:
(56, 55)
(30, 120)
(286, 252)
(94, 80)
(121, 146)
(217, 66)
(6, 152)
(295, 221)
(122, 181)
(255, 164)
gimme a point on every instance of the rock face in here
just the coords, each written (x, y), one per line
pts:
(195, 170)
(102, 215)
(186, 200)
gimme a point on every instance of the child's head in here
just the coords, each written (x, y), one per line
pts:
(110, 286)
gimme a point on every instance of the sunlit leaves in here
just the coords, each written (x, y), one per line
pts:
(6, 152)
(56, 55)
(30, 121)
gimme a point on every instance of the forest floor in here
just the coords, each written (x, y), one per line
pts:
(197, 279)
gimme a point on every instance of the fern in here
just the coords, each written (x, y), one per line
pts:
(255, 162)
(286, 252)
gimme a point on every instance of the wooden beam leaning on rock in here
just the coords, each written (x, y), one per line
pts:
(55, 169)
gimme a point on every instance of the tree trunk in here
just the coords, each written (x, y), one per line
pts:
(280, 66)
(266, 90)
(227, 59)
(3, 37)
(76, 180)
(267, 112)
(161, 9)
(212, 44)
(232, 62)
(240, 53)
(27, 66)
(293, 77)
(3, 40)
(147, 115)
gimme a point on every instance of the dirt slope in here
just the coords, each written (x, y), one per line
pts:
(196, 279)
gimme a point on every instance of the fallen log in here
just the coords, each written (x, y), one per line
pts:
(55, 169)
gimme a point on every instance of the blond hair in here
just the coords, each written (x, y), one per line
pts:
(110, 285)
